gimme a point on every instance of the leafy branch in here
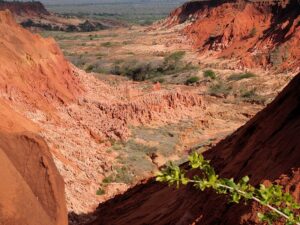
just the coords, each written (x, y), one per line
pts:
(279, 204)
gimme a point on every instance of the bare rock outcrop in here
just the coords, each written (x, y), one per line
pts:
(31, 190)
(256, 33)
(33, 69)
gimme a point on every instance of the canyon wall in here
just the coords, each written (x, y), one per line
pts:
(255, 33)
(33, 69)
(31, 190)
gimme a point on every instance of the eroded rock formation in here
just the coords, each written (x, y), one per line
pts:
(256, 33)
(33, 69)
(31, 190)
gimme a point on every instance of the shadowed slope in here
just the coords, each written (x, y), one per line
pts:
(25, 8)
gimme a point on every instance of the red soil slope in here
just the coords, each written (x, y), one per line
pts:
(32, 68)
(31, 190)
(12, 121)
(260, 33)
(266, 148)
(25, 8)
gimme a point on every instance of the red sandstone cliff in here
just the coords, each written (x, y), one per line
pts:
(266, 149)
(256, 33)
(33, 69)
(31, 190)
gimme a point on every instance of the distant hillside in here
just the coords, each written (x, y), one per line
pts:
(133, 11)
(24, 8)
(62, 2)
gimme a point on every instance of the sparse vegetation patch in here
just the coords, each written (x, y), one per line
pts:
(210, 74)
(192, 80)
(220, 89)
(145, 70)
(252, 96)
(240, 76)
(100, 191)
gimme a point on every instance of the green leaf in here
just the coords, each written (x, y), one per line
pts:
(272, 195)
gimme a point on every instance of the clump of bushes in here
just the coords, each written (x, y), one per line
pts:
(120, 175)
(240, 76)
(209, 74)
(253, 32)
(89, 68)
(252, 97)
(220, 89)
(174, 57)
(140, 70)
(108, 44)
(192, 80)
(100, 191)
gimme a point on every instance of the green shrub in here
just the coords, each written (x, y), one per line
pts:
(108, 44)
(253, 32)
(252, 97)
(100, 55)
(248, 94)
(89, 68)
(108, 179)
(209, 74)
(220, 89)
(240, 76)
(192, 80)
(123, 176)
(120, 175)
(140, 70)
(100, 191)
(279, 204)
(174, 57)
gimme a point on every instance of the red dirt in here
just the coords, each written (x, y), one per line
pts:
(33, 69)
(32, 190)
(266, 149)
(256, 33)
